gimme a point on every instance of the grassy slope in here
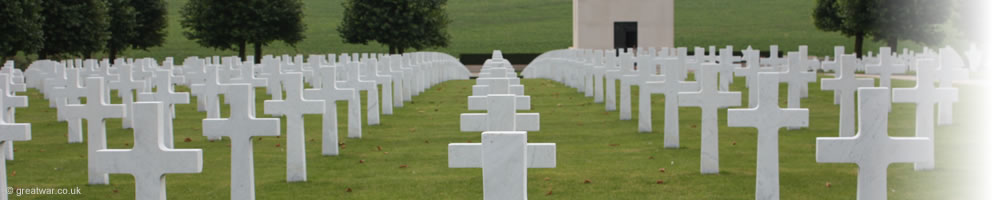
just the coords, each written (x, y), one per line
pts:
(536, 26)
(418, 134)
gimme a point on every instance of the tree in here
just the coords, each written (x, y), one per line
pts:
(122, 28)
(216, 24)
(969, 18)
(275, 20)
(77, 27)
(136, 24)
(151, 23)
(21, 27)
(853, 18)
(399, 24)
(232, 24)
(914, 20)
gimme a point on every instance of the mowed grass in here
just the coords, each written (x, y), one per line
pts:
(592, 144)
(537, 26)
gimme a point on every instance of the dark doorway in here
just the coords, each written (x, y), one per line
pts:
(626, 35)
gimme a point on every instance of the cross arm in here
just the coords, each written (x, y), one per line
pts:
(909, 149)
(15, 131)
(482, 102)
(838, 150)
(905, 95)
(469, 155)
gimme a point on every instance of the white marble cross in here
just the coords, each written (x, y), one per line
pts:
(611, 76)
(647, 73)
(975, 58)
(248, 76)
(834, 65)
(768, 117)
(488, 86)
(710, 99)
(501, 114)
(8, 103)
(209, 91)
(872, 150)
(398, 79)
(10, 132)
(925, 95)
(845, 85)
(353, 81)
(774, 58)
(95, 111)
(272, 72)
(670, 86)
(949, 71)
(597, 71)
(379, 72)
(330, 94)
(886, 67)
(165, 93)
(750, 73)
(149, 160)
(797, 78)
(70, 93)
(505, 157)
(293, 107)
(240, 127)
(729, 64)
(126, 85)
(628, 77)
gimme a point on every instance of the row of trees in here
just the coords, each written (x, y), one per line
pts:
(80, 27)
(233, 24)
(884, 20)
(85, 27)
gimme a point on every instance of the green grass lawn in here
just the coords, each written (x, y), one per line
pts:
(537, 26)
(592, 144)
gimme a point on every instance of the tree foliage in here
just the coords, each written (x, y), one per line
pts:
(151, 23)
(76, 27)
(915, 20)
(885, 20)
(122, 26)
(214, 23)
(21, 27)
(399, 24)
(231, 24)
(275, 20)
(853, 18)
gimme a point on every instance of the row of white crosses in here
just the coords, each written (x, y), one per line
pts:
(504, 153)
(10, 80)
(151, 158)
(63, 86)
(871, 148)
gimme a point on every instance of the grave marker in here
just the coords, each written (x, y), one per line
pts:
(710, 99)
(293, 107)
(95, 111)
(872, 150)
(240, 127)
(925, 95)
(505, 158)
(768, 117)
(149, 160)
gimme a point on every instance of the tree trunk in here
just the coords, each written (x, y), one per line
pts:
(893, 42)
(112, 55)
(257, 52)
(243, 51)
(859, 42)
